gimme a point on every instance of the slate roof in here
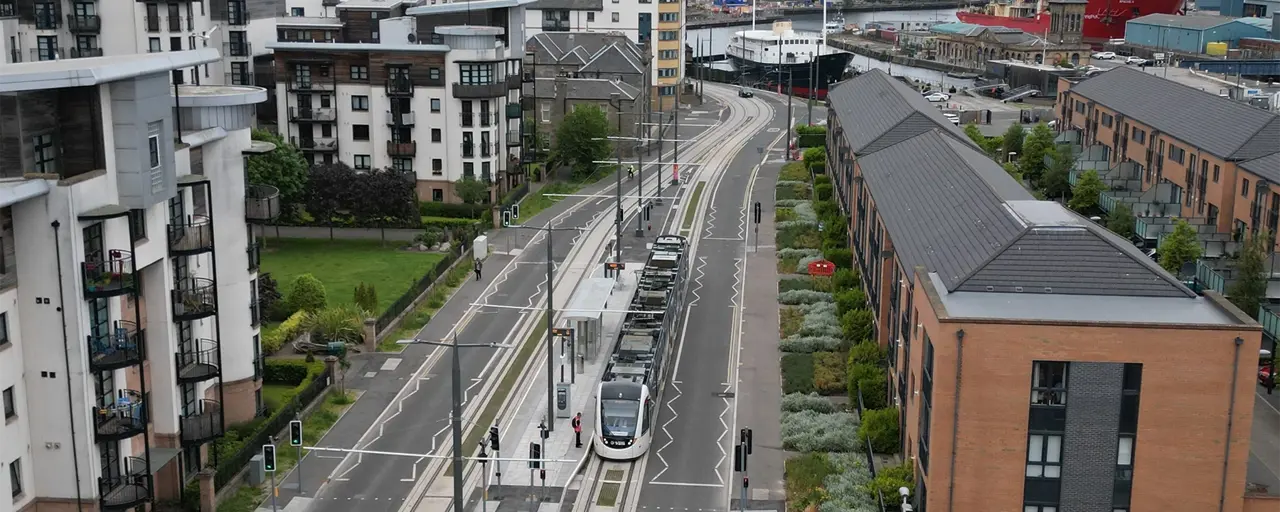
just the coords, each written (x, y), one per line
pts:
(1234, 130)
(1268, 166)
(582, 89)
(1196, 22)
(579, 48)
(880, 111)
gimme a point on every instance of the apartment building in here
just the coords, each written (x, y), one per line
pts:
(1039, 362)
(128, 321)
(657, 26)
(410, 93)
(1210, 160)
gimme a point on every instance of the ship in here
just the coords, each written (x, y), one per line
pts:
(1104, 20)
(783, 56)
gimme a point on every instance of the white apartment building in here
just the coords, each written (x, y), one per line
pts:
(128, 322)
(439, 100)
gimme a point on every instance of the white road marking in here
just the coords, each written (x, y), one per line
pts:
(370, 375)
(391, 364)
(685, 484)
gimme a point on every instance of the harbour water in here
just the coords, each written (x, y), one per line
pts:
(712, 41)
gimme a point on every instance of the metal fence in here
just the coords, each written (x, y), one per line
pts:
(421, 285)
(230, 466)
(868, 452)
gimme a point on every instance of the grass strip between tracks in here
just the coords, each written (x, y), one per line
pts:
(500, 394)
(691, 209)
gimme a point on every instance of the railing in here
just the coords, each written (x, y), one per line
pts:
(46, 20)
(307, 84)
(237, 49)
(124, 418)
(513, 138)
(108, 276)
(399, 87)
(486, 149)
(488, 118)
(261, 202)
(198, 362)
(236, 17)
(1270, 322)
(8, 9)
(175, 23)
(203, 425)
(479, 91)
(121, 346)
(191, 236)
(402, 148)
(84, 23)
(123, 492)
(1210, 278)
(83, 53)
(194, 298)
(316, 144)
(468, 149)
(47, 53)
(555, 26)
(467, 118)
(254, 251)
(255, 317)
(239, 78)
(152, 23)
(312, 114)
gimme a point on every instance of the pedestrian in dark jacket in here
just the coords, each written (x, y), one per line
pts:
(577, 430)
(478, 265)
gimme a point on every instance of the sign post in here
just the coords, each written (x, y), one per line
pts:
(757, 223)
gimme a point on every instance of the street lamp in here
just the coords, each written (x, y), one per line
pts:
(458, 501)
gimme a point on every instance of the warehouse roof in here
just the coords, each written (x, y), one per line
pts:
(1196, 22)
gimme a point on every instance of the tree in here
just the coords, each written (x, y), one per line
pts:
(1056, 180)
(581, 139)
(470, 190)
(384, 198)
(330, 190)
(1182, 246)
(1012, 143)
(1084, 196)
(307, 294)
(989, 145)
(1035, 147)
(975, 134)
(283, 168)
(1121, 220)
(1250, 287)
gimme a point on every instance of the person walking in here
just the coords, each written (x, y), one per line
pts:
(577, 430)
(478, 265)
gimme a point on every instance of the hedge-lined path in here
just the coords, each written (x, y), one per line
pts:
(759, 376)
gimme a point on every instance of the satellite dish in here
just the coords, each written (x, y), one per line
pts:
(413, 38)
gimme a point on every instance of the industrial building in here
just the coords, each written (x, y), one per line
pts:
(1192, 34)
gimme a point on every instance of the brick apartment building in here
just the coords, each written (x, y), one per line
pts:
(1040, 362)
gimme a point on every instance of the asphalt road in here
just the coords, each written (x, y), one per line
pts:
(687, 466)
(419, 423)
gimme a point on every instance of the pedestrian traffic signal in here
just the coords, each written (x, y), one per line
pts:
(295, 433)
(515, 211)
(269, 458)
(493, 438)
(746, 439)
(757, 212)
(535, 454)
(506, 218)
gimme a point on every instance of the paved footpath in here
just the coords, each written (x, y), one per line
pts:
(759, 375)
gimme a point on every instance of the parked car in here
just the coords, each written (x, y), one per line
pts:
(744, 92)
(1135, 60)
(1104, 55)
(937, 97)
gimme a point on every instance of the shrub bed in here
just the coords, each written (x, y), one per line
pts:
(808, 345)
(805, 474)
(797, 373)
(809, 431)
(805, 212)
(847, 485)
(796, 402)
(802, 266)
(793, 171)
(789, 321)
(292, 327)
(791, 190)
(889, 479)
(880, 428)
(798, 237)
(829, 372)
(819, 320)
(784, 214)
(798, 297)
(789, 203)
(856, 324)
(788, 282)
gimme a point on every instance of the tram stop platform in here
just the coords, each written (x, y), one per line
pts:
(522, 489)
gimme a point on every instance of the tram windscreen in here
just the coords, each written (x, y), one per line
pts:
(620, 417)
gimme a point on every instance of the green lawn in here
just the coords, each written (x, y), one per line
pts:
(274, 395)
(342, 264)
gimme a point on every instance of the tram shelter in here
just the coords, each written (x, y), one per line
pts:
(585, 314)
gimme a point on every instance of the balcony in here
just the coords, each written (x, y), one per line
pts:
(8, 9)
(120, 347)
(400, 118)
(152, 23)
(261, 203)
(236, 17)
(202, 425)
(555, 26)
(46, 20)
(84, 24)
(176, 23)
(239, 78)
(237, 49)
(307, 84)
(326, 115)
(255, 256)
(316, 144)
(468, 150)
(467, 119)
(47, 53)
(402, 148)
(193, 298)
(199, 362)
(514, 81)
(108, 277)
(488, 118)
(479, 91)
(513, 138)
(84, 53)
(399, 87)
(193, 236)
(127, 491)
(124, 418)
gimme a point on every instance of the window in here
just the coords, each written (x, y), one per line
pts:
(297, 11)
(360, 132)
(669, 35)
(15, 477)
(475, 73)
(437, 194)
(667, 90)
(1049, 383)
(666, 72)
(362, 162)
(433, 73)
(4, 329)
(616, 17)
(591, 17)
(1216, 171)
(435, 105)
(153, 150)
(46, 154)
(546, 112)
(402, 164)
(1106, 120)
(175, 44)
(153, 45)
(1139, 136)
(10, 404)
(1124, 454)
(1039, 508)
(469, 170)
(437, 166)
(668, 54)
(138, 224)
(436, 135)
(1044, 456)
(1177, 154)
(359, 72)
(257, 357)
(1244, 188)
(360, 103)
(668, 17)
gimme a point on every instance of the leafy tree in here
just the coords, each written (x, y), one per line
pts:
(269, 298)
(283, 168)
(989, 145)
(580, 139)
(384, 197)
(1012, 143)
(974, 134)
(1084, 196)
(470, 190)
(330, 190)
(1121, 220)
(1012, 169)
(1037, 145)
(1056, 180)
(856, 325)
(1250, 287)
(1180, 247)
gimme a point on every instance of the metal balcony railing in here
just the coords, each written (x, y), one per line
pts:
(316, 143)
(236, 16)
(176, 22)
(402, 148)
(254, 251)
(108, 275)
(124, 418)
(468, 150)
(312, 114)
(400, 118)
(513, 138)
(194, 298)
(261, 202)
(89, 23)
(239, 78)
(121, 346)
(197, 362)
(124, 492)
(47, 53)
(488, 118)
(299, 83)
(83, 53)
(202, 425)
(47, 20)
(467, 119)
(195, 235)
(479, 91)
(399, 87)
(237, 49)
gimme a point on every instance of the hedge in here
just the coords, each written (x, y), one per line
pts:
(289, 329)
(880, 428)
(857, 324)
(866, 352)
(452, 210)
(850, 299)
(823, 192)
(234, 452)
(447, 223)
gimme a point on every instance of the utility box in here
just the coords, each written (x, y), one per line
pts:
(480, 247)
(255, 474)
(563, 409)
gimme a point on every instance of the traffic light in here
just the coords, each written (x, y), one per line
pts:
(535, 453)
(757, 212)
(269, 458)
(295, 433)
(506, 218)
(493, 438)
(515, 211)
(746, 439)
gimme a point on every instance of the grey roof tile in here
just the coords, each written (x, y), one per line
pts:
(882, 107)
(582, 89)
(1268, 167)
(1220, 126)
(614, 59)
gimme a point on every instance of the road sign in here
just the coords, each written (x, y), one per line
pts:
(561, 331)
(822, 268)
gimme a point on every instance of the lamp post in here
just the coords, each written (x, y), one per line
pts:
(458, 501)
